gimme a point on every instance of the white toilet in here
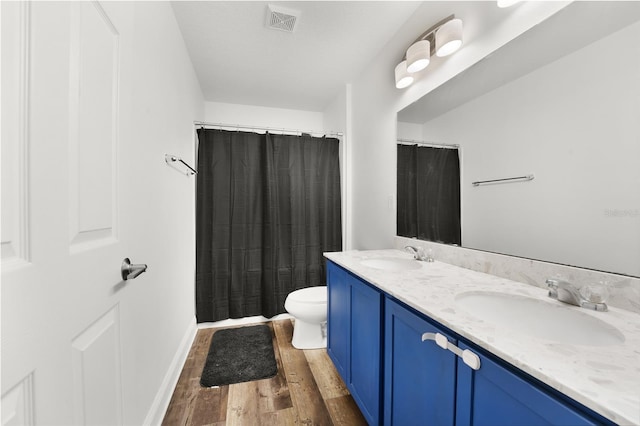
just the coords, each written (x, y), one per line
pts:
(309, 308)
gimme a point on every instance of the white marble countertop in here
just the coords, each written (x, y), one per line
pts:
(603, 378)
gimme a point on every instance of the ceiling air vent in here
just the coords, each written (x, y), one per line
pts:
(282, 18)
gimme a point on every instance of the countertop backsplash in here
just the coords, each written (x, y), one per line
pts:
(624, 291)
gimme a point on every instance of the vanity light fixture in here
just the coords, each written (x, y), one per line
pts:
(443, 39)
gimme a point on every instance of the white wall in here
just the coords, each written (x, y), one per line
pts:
(376, 101)
(165, 98)
(336, 119)
(335, 115)
(574, 123)
(258, 116)
(411, 132)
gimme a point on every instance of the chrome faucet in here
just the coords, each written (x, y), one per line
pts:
(566, 292)
(418, 253)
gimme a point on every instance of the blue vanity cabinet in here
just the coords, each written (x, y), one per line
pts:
(365, 367)
(425, 384)
(396, 378)
(419, 377)
(495, 395)
(338, 318)
(354, 340)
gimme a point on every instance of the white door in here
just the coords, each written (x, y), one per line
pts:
(63, 300)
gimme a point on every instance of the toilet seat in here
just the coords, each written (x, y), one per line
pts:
(309, 295)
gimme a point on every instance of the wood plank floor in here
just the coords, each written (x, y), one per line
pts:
(306, 391)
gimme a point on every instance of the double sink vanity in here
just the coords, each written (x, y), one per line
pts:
(431, 343)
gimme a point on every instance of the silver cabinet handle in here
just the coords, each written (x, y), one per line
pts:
(129, 270)
(468, 357)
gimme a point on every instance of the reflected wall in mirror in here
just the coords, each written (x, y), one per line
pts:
(562, 101)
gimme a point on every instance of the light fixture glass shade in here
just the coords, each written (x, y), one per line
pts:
(449, 37)
(403, 79)
(418, 56)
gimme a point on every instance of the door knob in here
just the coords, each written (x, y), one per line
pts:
(129, 270)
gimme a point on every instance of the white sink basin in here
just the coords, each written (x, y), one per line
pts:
(391, 263)
(546, 320)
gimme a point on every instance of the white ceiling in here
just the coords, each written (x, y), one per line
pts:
(239, 60)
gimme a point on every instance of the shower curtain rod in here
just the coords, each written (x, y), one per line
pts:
(433, 144)
(222, 126)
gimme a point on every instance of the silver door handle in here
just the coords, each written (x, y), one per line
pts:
(129, 270)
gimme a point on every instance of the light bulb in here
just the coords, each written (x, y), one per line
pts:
(403, 79)
(418, 56)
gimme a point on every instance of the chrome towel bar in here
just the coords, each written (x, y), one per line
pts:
(518, 178)
(172, 159)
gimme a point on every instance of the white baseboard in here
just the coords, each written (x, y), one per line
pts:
(163, 397)
(242, 321)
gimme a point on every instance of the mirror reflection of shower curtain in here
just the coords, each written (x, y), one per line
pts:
(267, 207)
(428, 193)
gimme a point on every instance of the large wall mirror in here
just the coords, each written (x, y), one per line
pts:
(561, 103)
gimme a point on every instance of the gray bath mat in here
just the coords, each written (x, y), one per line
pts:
(239, 355)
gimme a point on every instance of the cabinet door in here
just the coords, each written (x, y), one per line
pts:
(366, 341)
(420, 377)
(494, 395)
(338, 318)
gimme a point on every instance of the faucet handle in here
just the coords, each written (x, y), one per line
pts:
(594, 297)
(552, 285)
(595, 293)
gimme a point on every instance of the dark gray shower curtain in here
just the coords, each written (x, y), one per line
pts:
(428, 188)
(267, 207)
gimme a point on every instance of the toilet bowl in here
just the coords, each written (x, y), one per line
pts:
(308, 306)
